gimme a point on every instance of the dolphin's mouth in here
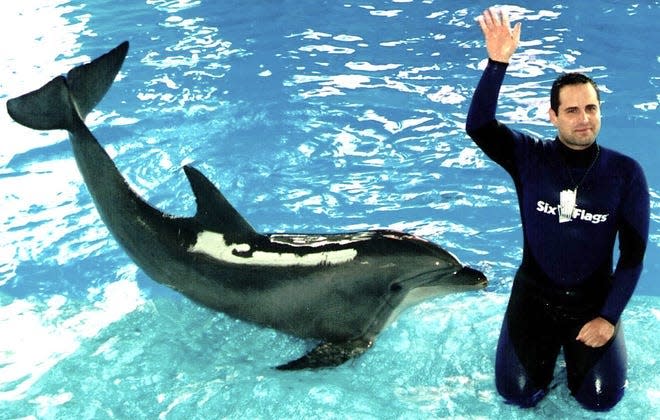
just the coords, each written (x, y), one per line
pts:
(465, 278)
(468, 275)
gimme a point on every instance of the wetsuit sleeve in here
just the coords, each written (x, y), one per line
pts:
(633, 237)
(494, 138)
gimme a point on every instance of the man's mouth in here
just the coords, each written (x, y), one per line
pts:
(582, 129)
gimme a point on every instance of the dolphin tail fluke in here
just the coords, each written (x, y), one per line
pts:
(48, 108)
(214, 212)
(89, 83)
(329, 354)
(58, 103)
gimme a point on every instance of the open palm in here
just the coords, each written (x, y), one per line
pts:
(501, 40)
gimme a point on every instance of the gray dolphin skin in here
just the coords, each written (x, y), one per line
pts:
(339, 289)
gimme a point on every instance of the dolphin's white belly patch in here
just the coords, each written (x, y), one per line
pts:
(213, 244)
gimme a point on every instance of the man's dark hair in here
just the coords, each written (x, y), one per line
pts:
(566, 80)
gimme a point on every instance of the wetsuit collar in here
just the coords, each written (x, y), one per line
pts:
(577, 158)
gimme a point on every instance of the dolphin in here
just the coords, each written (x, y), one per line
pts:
(340, 289)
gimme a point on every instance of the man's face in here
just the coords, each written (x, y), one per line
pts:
(578, 117)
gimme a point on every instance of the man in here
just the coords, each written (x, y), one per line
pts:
(574, 196)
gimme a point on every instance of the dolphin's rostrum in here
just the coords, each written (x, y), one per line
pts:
(341, 289)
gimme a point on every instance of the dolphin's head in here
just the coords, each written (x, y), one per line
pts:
(429, 270)
(425, 271)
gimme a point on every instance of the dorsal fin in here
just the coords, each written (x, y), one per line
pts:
(214, 212)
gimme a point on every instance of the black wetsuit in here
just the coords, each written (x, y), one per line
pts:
(566, 278)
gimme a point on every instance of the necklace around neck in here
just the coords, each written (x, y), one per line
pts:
(568, 198)
(586, 173)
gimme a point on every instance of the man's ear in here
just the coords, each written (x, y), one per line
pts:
(553, 116)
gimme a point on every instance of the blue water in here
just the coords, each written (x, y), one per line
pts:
(310, 116)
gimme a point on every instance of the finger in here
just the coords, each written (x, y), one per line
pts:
(583, 334)
(507, 23)
(482, 24)
(488, 18)
(495, 16)
(587, 341)
(595, 342)
(505, 18)
(516, 32)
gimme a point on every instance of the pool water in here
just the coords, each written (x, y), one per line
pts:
(311, 117)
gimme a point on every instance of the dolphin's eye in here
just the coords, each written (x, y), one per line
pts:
(395, 287)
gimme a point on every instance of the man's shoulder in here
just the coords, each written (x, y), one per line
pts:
(618, 164)
(619, 159)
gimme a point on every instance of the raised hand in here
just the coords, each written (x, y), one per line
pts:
(501, 40)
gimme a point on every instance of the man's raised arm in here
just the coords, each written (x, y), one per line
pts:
(501, 43)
